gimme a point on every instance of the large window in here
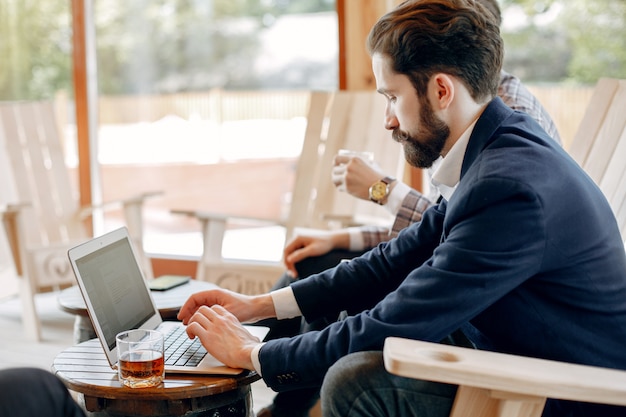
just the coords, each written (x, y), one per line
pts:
(204, 99)
(560, 48)
(35, 44)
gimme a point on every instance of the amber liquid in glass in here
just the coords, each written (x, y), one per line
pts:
(142, 368)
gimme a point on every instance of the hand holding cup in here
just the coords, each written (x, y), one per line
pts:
(354, 172)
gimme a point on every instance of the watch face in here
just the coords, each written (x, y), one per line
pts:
(378, 191)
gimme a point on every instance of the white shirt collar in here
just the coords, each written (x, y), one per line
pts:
(448, 170)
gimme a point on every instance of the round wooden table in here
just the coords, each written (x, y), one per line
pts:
(168, 302)
(84, 369)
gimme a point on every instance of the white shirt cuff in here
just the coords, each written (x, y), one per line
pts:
(285, 304)
(396, 197)
(254, 356)
(357, 243)
(286, 307)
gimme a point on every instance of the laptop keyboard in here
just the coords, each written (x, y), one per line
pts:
(180, 350)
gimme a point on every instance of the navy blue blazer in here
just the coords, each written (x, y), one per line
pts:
(527, 251)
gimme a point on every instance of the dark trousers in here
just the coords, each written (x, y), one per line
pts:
(305, 268)
(297, 403)
(28, 392)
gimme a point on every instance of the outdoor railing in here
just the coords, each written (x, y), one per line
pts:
(566, 105)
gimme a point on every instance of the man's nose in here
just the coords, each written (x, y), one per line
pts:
(390, 122)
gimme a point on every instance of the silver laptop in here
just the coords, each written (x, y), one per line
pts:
(118, 298)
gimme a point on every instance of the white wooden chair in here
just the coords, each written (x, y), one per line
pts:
(250, 276)
(600, 127)
(340, 120)
(606, 162)
(494, 384)
(600, 144)
(43, 218)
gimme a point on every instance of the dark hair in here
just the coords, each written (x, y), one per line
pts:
(456, 37)
(494, 8)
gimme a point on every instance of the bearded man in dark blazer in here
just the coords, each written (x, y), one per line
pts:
(523, 253)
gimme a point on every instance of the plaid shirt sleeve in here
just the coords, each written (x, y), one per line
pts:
(411, 210)
(518, 97)
(413, 205)
(373, 235)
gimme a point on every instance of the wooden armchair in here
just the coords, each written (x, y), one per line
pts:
(249, 276)
(341, 120)
(600, 144)
(495, 384)
(42, 219)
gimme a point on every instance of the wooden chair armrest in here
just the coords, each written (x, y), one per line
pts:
(213, 227)
(136, 199)
(503, 377)
(12, 209)
(221, 217)
(132, 201)
(354, 221)
(343, 220)
(132, 209)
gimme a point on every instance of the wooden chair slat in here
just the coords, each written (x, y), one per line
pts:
(42, 220)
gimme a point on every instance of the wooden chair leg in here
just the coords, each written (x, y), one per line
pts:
(30, 319)
(479, 402)
(11, 219)
(133, 217)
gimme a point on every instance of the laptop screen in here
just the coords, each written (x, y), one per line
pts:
(116, 289)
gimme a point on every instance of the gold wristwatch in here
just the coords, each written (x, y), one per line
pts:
(380, 190)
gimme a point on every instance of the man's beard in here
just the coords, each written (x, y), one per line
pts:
(433, 135)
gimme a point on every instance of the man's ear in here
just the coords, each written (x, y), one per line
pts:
(441, 88)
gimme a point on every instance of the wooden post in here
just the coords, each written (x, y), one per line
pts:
(79, 73)
(356, 17)
(85, 99)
